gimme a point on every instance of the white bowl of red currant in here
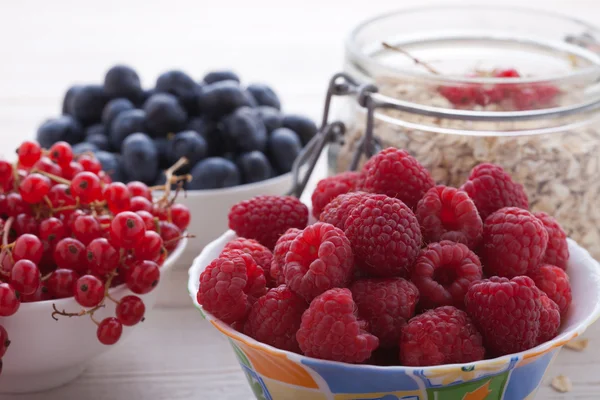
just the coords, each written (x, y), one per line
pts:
(80, 257)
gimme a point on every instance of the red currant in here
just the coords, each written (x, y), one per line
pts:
(525, 99)
(52, 230)
(139, 203)
(28, 247)
(69, 171)
(105, 178)
(546, 94)
(127, 229)
(6, 174)
(102, 257)
(142, 277)
(160, 212)
(130, 310)
(61, 153)
(25, 277)
(150, 246)
(180, 215)
(70, 254)
(459, 95)
(72, 216)
(117, 197)
(15, 205)
(507, 73)
(25, 223)
(86, 186)
(4, 341)
(60, 196)
(149, 221)
(46, 165)
(29, 153)
(137, 188)
(42, 293)
(60, 283)
(86, 228)
(9, 300)
(89, 291)
(90, 163)
(34, 187)
(170, 235)
(109, 331)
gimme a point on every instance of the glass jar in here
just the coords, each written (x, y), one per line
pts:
(458, 86)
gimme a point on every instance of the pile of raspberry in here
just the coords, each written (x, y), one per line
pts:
(395, 269)
(68, 231)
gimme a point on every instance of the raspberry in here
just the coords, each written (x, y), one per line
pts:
(443, 273)
(514, 242)
(491, 189)
(445, 335)
(260, 253)
(228, 286)
(265, 218)
(555, 283)
(446, 213)
(557, 252)
(331, 330)
(397, 174)
(329, 188)
(275, 318)
(320, 258)
(281, 249)
(385, 235)
(337, 211)
(386, 304)
(506, 312)
(549, 320)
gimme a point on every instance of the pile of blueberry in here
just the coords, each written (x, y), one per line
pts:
(230, 134)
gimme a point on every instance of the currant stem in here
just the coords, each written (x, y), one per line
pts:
(7, 226)
(187, 235)
(81, 313)
(55, 178)
(407, 54)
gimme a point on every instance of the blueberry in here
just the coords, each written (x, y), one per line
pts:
(187, 144)
(214, 173)
(180, 85)
(145, 96)
(218, 76)
(84, 147)
(114, 108)
(123, 81)
(164, 114)
(211, 133)
(221, 98)
(162, 146)
(140, 158)
(88, 103)
(245, 130)
(284, 146)
(67, 106)
(126, 123)
(99, 140)
(254, 167)
(304, 127)
(64, 128)
(264, 95)
(111, 164)
(96, 129)
(271, 117)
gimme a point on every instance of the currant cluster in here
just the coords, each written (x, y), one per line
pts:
(512, 96)
(67, 230)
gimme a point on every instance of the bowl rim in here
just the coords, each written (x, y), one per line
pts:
(166, 266)
(241, 188)
(562, 338)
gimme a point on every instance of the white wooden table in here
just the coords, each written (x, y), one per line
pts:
(295, 46)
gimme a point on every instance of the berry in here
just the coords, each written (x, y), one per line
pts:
(25, 277)
(229, 285)
(549, 320)
(214, 173)
(170, 235)
(88, 103)
(90, 163)
(554, 281)
(329, 188)
(254, 166)
(244, 130)
(15, 205)
(446, 213)
(491, 189)
(397, 174)
(385, 236)
(86, 228)
(180, 85)
(139, 203)
(180, 215)
(29, 153)
(117, 196)
(61, 283)
(137, 188)
(123, 81)
(282, 247)
(113, 108)
(283, 147)
(337, 211)
(125, 124)
(264, 95)
(506, 312)
(557, 251)
(218, 99)
(67, 107)
(6, 173)
(102, 257)
(44, 164)
(275, 318)
(445, 335)
(188, 144)
(460, 96)
(127, 229)
(9, 300)
(27, 247)
(271, 117)
(150, 246)
(143, 276)
(140, 157)
(164, 114)
(261, 255)
(84, 147)
(69, 171)
(64, 128)
(386, 304)
(514, 242)
(89, 291)
(70, 254)
(330, 329)
(218, 76)
(61, 153)
(25, 223)
(148, 220)
(52, 230)
(130, 310)
(60, 196)
(41, 294)
(4, 341)
(109, 331)
(86, 186)
(320, 258)
(443, 273)
(304, 127)
(265, 218)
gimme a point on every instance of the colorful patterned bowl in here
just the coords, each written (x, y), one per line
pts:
(274, 374)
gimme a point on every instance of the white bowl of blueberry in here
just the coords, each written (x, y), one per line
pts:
(238, 142)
